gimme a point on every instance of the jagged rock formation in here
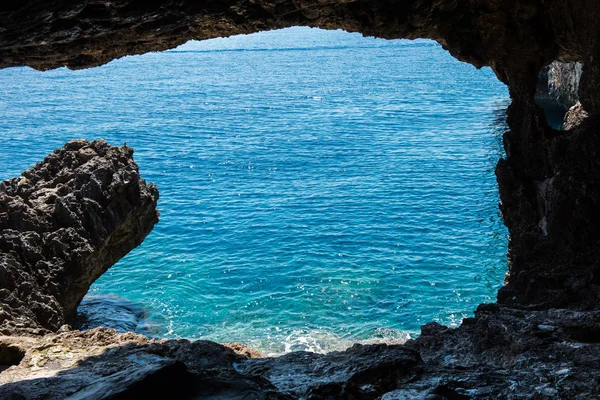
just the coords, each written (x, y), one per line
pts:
(501, 353)
(575, 116)
(103, 364)
(540, 341)
(63, 223)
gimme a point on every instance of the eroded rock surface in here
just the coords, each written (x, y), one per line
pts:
(361, 372)
(549, 195)
(539, 342)
(502, 353)
(575, 116)
(104, 364)
(63, 223)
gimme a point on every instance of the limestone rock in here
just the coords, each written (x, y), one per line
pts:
(575, 116)
(63, 223)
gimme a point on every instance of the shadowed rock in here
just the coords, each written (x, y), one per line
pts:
(361, 372)
(104, 364)
(63, 223)
(548, 181)
(501, 353)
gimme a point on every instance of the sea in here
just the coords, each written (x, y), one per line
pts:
(317, 188)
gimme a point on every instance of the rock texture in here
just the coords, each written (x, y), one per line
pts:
(506, 34)
(575, 116)
(63, 223)
(502, 353)
(559, 84)
(548, 201)
(539, 342)
(103, 364)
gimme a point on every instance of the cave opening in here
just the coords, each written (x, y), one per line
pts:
(538, 340)
(401, 159)
(10, 355)
(557, 93)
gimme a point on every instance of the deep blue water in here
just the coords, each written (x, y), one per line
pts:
(317, 188)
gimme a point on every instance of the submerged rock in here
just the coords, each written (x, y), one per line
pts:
(63, 223)
(110, 311)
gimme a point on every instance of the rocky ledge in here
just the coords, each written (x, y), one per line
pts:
(502, 353)
(72, 216)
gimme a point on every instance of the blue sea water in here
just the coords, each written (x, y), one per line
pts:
(317, 188)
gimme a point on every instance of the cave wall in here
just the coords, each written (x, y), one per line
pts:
(549, 181)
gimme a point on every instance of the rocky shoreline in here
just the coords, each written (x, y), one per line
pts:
(540, 341)
(93, 191)
(501, 353)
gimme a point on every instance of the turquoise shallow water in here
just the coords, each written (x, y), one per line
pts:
(317, 188)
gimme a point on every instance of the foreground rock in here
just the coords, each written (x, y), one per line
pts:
(103, 364)
(549, 180)
(502, 353)
(63, 223)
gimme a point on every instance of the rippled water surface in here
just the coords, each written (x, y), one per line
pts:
(317, 188)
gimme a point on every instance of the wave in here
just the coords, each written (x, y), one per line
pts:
(112, 311)
(320, 341)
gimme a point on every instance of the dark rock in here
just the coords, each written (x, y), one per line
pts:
(505, 34)
(103, 364)
(63, 223)
(500, 355)
(505, 354)
(361, 372)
